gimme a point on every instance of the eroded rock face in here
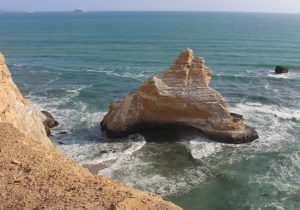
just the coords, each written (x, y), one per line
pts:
(179, 96)
(17, 111)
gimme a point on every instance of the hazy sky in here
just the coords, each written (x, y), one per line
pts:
(284, 6)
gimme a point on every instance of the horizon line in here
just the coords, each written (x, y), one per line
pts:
(94, 11)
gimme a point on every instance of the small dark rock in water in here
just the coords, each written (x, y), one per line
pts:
(264, 194)
(281, 70)
(63, 133)
(237, 116)
(60, 142)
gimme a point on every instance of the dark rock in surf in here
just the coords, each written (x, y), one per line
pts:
(48, 121)
(281, 70)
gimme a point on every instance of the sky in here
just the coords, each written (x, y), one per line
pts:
(281, 6)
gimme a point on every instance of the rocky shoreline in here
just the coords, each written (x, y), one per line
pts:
(34, 174)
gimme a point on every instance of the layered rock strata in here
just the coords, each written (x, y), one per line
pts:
(35, 175)
(180, 96)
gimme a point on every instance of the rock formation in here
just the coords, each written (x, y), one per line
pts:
(179, 96)
(35, 175)
(48, 121)
(281, 70)
(16, 110)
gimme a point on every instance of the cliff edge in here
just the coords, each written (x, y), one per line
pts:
(35, 175)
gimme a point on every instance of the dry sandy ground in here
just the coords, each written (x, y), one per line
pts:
(33, 178)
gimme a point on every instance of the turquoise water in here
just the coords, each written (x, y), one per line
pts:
(76, 65)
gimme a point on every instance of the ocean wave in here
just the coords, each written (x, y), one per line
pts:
(280, 112)
(137, 75)
(95, 152)
(280, 76)
(18, 65)
(275, 127)
(131, 170)
(283, 170)
(282, 179)
(260, 73)
(204, 149)
(69, 115)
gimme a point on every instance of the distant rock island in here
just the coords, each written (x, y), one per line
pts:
(78, 11)
(180, 96)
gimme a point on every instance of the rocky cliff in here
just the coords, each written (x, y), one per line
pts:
(35, 175)
(180, 96)
(16, 110)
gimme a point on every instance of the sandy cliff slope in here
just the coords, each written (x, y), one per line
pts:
(35, 175)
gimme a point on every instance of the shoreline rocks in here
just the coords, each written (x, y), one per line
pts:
(48, 121)
(281, 70)
(180, 96)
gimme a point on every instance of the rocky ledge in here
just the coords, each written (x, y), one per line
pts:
(180, 96)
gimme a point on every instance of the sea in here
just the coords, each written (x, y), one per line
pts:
(76, 65)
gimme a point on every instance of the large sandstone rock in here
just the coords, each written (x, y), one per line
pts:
(17, 111)
(179, 96)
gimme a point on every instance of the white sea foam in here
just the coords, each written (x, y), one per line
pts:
(280, 112)
(54, 79)
(264, 73)
(273, 124)
(169, 185)
(137, 75)
(132, 171)
(101, 151)
(280, 76)
(18, 65)
(292, 74)
(283, 175)
(200, 150)
(77, 116)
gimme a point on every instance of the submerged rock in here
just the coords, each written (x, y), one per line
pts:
(281, 70)
(180, 96)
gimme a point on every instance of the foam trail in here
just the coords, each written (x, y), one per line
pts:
(101, 151)
(139, 75)
(284, 113)
(204, 149)
(132, 171)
